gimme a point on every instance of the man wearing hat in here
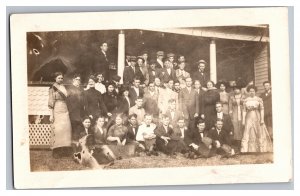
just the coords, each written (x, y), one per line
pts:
(171, 58)
(127, 60)
(116, 81)
(200, 74)
(131, 71)
(159, 59)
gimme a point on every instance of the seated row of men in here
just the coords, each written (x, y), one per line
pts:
(167, 137)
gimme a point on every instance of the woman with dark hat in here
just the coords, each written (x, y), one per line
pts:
(256, 137)
(210, 98)
(224, 96)
(61, 136)
(124, 101)
(236, 113)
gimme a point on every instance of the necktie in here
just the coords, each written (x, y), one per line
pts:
(148, 125)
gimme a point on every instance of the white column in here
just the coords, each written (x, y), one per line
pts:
(121, 55)
(213, 61)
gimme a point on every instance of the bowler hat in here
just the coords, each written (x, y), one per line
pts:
(116, 78)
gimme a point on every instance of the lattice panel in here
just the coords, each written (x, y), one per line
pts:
(39, 135)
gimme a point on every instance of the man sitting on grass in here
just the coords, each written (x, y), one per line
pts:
(146, 137)
(165, 141)
(199, 143)
(220, 140)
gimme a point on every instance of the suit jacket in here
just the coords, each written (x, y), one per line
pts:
(227, 123)
(129, 74)
(131, 135)
(177, 115)
(161, 131)
(93, 103)
(267, 99)
(133, 95)
(158, 65)
(195, 137)
(139, 112)
(151, 103)
(144, 74)
(153, 74)
(101, 64)
(124, 105)
(111, 101)
(189, 102)
(165, 76)
(200, 101)
(75, 102)
(178, 135)
(202, 78)
(222, 137)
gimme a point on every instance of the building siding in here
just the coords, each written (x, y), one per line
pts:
(261, 67)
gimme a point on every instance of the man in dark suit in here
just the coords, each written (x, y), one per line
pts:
(267, 100)
(183, 135)
(132, 128)
(153, 71)
(159, 59)
(75, 105)
(101, 64)
(220, 139)
(198, 141)
(227, 123)
(164, 137)
(188, 101)
(167, 73)
(135, 91)
(200, 74)
(131, 72)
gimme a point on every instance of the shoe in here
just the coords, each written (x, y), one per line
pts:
(148, 153)
(154, 153)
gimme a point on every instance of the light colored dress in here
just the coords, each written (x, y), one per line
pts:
(256, 137)
(236, 114)
(224, 99)
(61, 127)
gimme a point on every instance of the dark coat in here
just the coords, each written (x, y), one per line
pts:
(75, 103)
(93, 103)
(99, 138)
(130, 134)
(101, 64)
(165, 76)
(133, 96)
(172, 145)
(203, 78)
(124, 106)
(153, 74)
(158, 65)
(110, 101)
(222, 137)
(129, 74)
(210, 98)
(267, 100)
(227, 123)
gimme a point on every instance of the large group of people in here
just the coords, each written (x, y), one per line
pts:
(161, 107)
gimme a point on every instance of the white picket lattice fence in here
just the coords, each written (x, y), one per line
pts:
(39, 135)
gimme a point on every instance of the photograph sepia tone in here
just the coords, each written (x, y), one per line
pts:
(106, 96)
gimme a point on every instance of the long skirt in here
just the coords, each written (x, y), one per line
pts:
(256, 137)
(61, 127)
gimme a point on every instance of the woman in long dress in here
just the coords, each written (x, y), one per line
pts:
(59, 118)
(224, 96)
(256, 137)
(210, 98)
(236, 114)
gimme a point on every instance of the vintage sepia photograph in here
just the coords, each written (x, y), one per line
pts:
(115, 97)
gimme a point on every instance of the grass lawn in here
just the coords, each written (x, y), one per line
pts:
(42, 160)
